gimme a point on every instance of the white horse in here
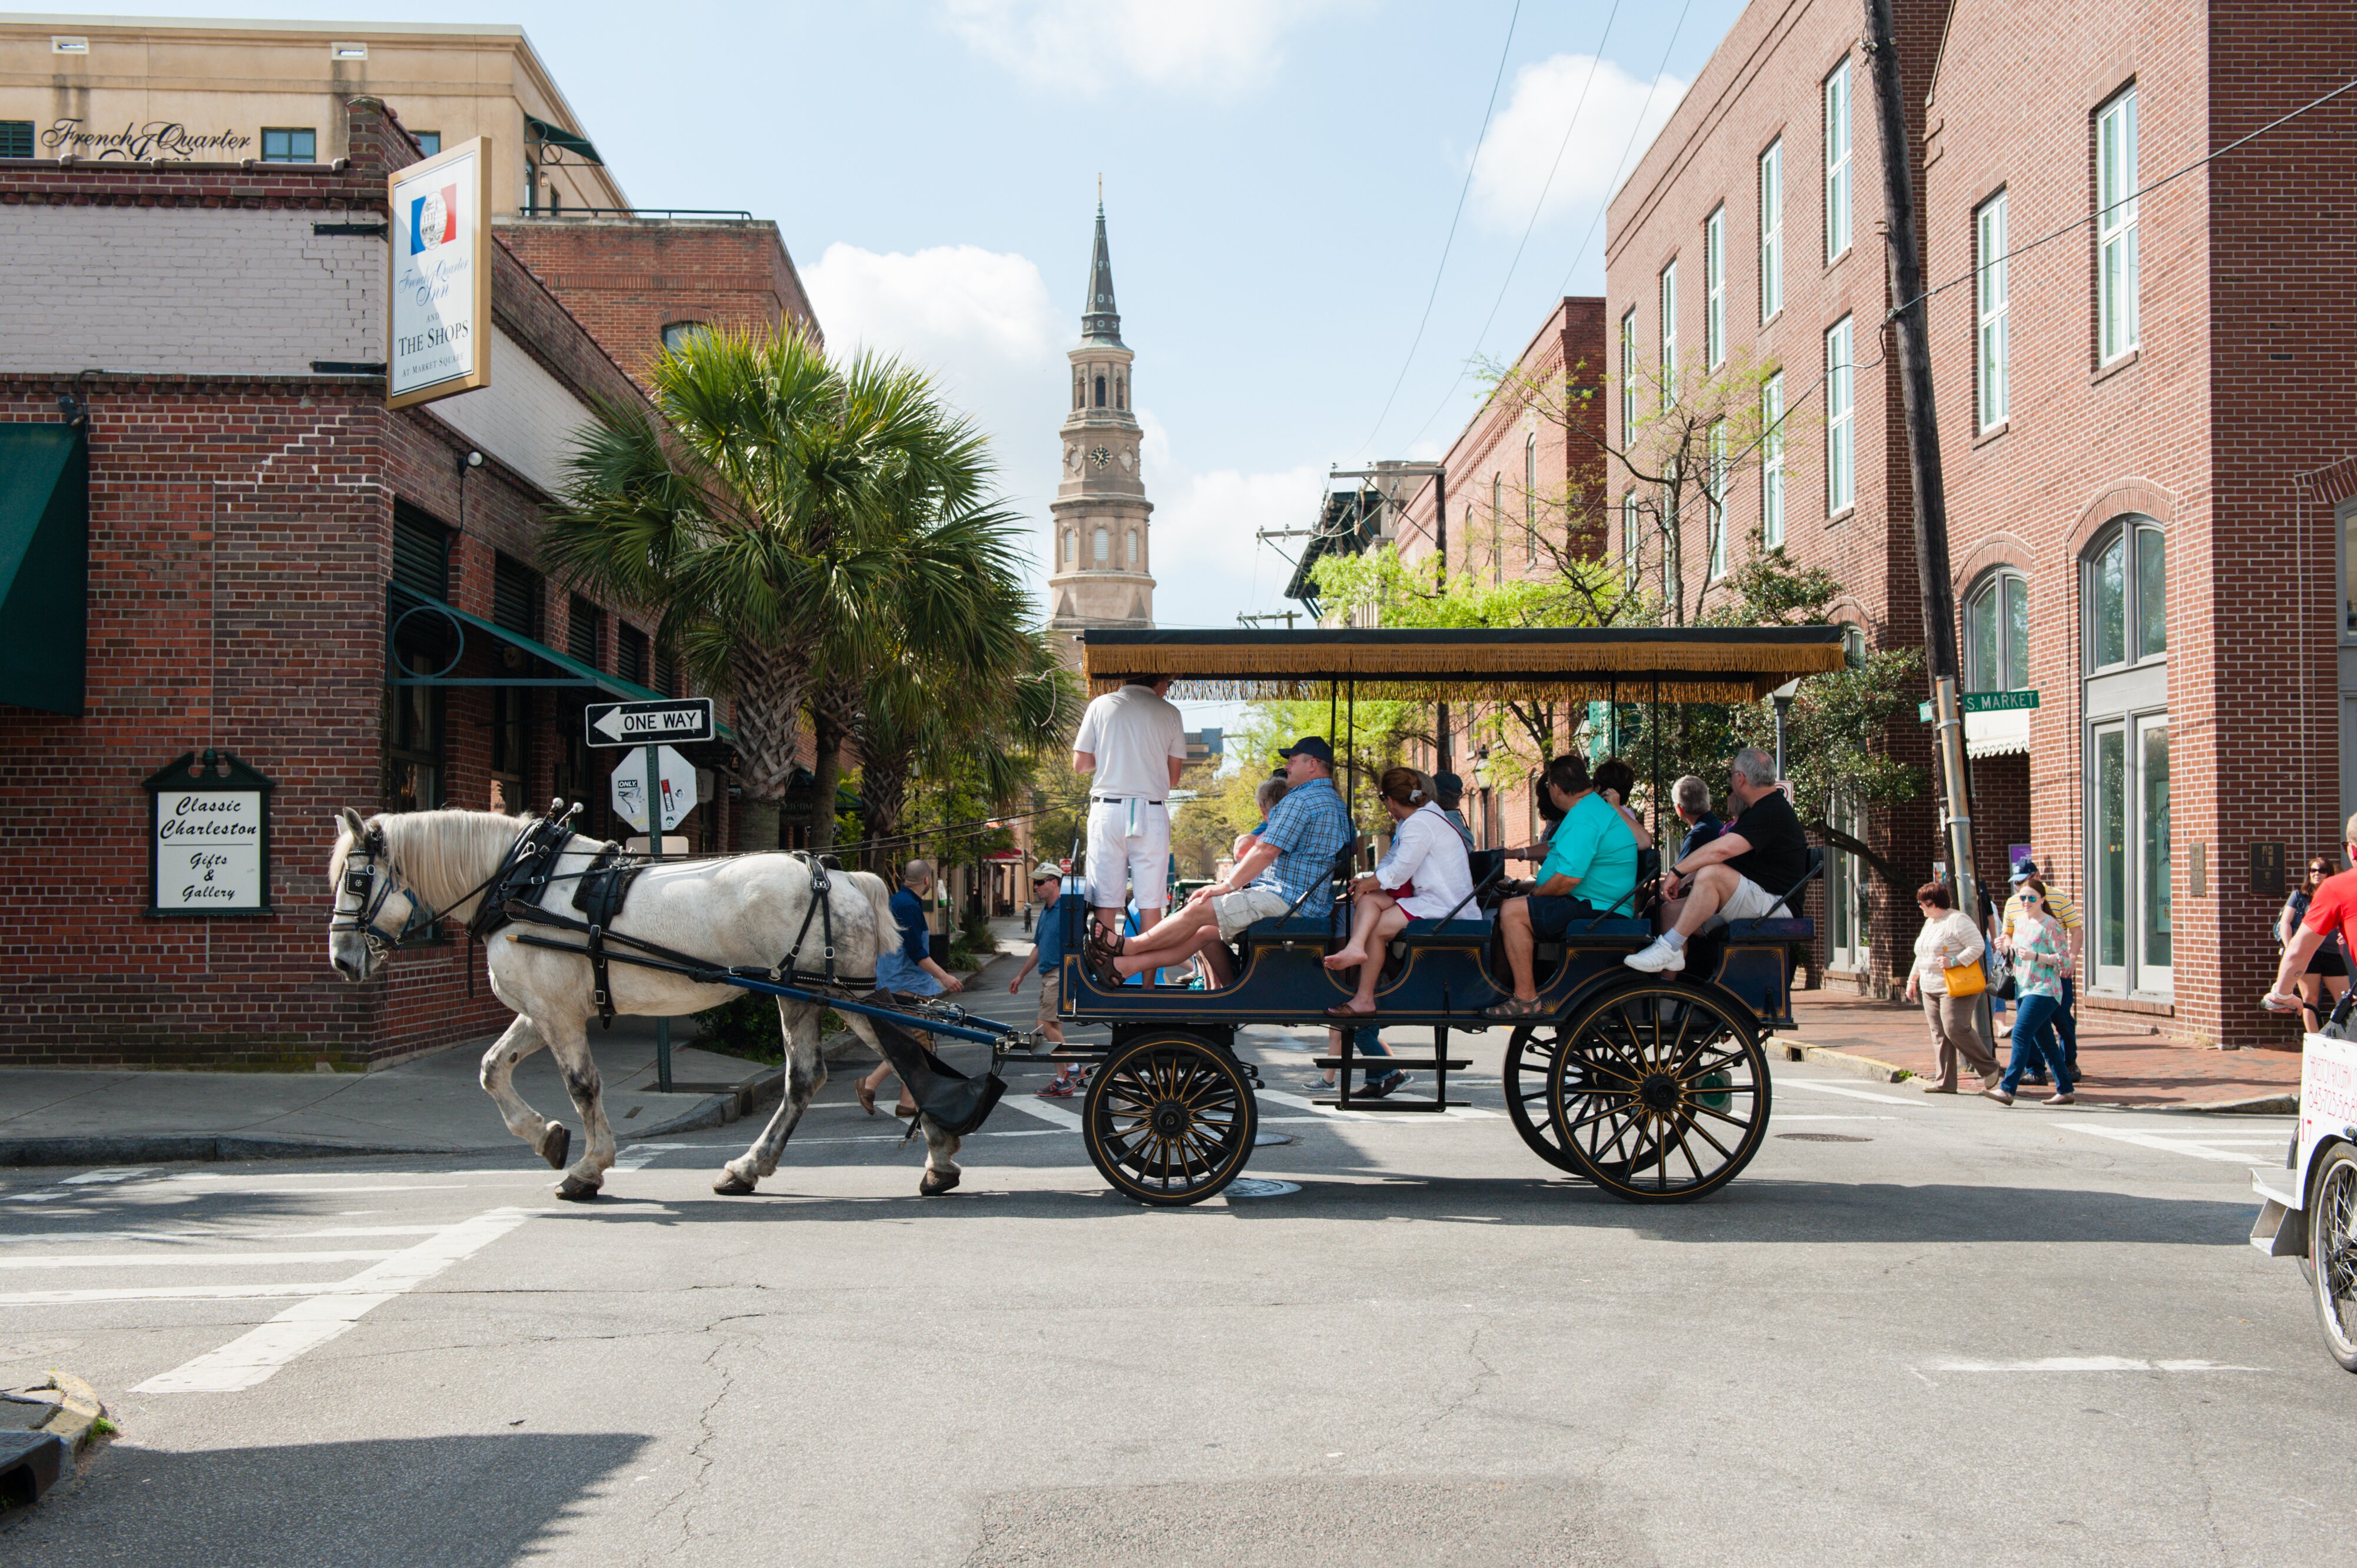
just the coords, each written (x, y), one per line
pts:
(414, 867)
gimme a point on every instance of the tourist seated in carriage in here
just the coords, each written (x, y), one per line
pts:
(1743, 873)
(1290, 864)
(1590, 870)
(1425, 877)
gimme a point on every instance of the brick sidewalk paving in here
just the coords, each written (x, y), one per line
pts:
(2122, 1068)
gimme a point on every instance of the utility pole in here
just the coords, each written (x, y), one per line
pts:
(1931, 499)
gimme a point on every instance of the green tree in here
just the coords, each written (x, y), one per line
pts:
(793, 521)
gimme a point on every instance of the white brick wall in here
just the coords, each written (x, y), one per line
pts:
(525, 418)
(186, 290)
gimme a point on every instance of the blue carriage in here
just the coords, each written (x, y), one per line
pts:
(1653, 1087)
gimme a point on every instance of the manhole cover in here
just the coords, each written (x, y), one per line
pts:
(1256, 1187)
(1825, 1137)
(1262, 1139)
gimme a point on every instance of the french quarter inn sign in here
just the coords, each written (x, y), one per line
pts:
(208, 837)
(438, 301)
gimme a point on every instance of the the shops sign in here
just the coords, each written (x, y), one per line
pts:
(167, 139)
(208, 837)
(438, 295)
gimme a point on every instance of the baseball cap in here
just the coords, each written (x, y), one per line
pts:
(2023, 870)
(1311, 745)
(1047, 870)
(1448, 787)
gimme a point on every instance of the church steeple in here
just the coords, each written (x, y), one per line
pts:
(1101, 320)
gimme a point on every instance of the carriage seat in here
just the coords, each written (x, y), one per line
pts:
(1775, 929)
(1470, 923)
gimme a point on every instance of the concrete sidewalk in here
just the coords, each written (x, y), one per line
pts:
(51, 1116)
(2122, 1064)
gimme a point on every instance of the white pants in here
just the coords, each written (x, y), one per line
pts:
(1129, 846)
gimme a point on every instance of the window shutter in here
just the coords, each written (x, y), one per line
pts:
(421, 553)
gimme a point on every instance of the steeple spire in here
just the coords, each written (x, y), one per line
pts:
(1101, 320)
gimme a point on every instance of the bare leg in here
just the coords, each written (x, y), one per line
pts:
(1168, 943)
(1515, 926)
(2309, 986)
(1390, 920)
(1365, 911)
(805, 1074)
(551, 1140)
(570, 1047)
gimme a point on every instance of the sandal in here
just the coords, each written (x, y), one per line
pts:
(1344, 1010)
(1515, 1008)
(1109, 943)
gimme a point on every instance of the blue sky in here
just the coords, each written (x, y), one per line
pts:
(1279, 176)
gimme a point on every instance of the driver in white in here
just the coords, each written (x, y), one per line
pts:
(1134, 744)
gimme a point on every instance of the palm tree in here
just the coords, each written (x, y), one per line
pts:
(792, 520)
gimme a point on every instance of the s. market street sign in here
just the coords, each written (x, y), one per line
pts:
(1985, 702)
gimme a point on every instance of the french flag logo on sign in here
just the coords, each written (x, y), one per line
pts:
(433, 220)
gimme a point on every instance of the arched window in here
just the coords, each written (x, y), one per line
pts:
(2126, 596)
(1072, 547)
(1997, 633)
(1103, 547)
(1080, 390)
(1133, 547)
(1101, 402)
(681, 335)
(1854, 645)
(1121, 391)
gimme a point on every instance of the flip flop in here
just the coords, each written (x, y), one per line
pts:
(1344, 1010)
(1515, 1008)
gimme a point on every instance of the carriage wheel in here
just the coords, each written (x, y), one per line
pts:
(1169, 1119)
(2333, 1249)
(1529, 1081)
(1663, 1095)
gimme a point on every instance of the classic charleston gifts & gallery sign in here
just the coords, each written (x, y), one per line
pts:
(208, 837)
(439, 301)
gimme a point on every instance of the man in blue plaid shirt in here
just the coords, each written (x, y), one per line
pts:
(1294, 857)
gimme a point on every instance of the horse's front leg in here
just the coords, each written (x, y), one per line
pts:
(941, 1172)
(805, 1075)
(569, 1044)
(551, 1140)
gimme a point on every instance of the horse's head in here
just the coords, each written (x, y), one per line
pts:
(372, 909)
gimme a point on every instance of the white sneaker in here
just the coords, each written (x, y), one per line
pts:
(1657, 957)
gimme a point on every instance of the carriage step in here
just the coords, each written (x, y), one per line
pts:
(1401, 1064)
(1402, 1107)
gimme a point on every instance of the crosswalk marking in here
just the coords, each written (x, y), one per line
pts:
(2091, 1364)
(163, 1293)
(1031, 1105)
(2195, 1145)
(183, 1260)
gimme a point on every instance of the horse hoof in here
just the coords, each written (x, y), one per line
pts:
(935, 1182)
(731, 1185)
(556, 1145)
(573, 1189)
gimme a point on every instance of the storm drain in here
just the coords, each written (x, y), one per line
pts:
(1260, 1187)
(1825, 1137)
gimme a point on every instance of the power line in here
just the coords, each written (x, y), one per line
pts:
(1447, 244)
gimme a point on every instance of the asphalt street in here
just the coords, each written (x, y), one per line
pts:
(1918, 1329)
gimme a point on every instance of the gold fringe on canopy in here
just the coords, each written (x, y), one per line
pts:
(1698, 665)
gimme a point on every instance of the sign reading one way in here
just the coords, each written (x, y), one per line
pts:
(676, 778)
(636, 724)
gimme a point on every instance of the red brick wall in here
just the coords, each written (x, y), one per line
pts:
(627, 279)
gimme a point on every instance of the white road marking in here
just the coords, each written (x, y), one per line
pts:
(183, 1260)
(1816, 1088)
(1031, 1105)
(2177, 1145)
(1784, 1117)
(165, 1293)
(253, 1357)
(634, 1157)
(192, 1237)
(102, 1177)
(2091, 1364)
(48, 1195)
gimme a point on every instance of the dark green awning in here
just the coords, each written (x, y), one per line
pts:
(44, 566)
(558, 137)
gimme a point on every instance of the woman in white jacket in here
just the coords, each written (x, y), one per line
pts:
(1948, 941)
(1425, 877)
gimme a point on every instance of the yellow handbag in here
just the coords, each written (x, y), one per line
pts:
(1965, 979)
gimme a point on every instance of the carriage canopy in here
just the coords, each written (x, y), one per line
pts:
(1686, 664)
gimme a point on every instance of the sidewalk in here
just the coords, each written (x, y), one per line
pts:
(2121, 1067)
(51, 1116)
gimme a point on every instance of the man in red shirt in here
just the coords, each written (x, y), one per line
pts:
(2333, 908)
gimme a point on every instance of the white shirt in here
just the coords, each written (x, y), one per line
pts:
(1948, 942)
(1425, 850)
(1135, 736)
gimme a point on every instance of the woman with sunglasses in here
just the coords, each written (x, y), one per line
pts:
(2328, 967)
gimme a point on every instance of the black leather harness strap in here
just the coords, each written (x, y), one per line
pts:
(598, 895)
(822, 906)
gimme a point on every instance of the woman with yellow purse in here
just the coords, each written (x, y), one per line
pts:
(1950, 979)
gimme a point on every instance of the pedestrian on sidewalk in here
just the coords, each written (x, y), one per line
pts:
(2026, 874)
(1047, 956)
(2327, 975)
(1948, 941)
(910, 967)
(2039, 955)
(2332, 907)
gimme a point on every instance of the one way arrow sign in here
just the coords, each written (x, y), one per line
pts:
(637, 723)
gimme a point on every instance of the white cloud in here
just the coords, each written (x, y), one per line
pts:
(1207, 563)
(1510, 167)
(1223, 45)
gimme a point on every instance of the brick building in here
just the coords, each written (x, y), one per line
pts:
(281, 570)
(2142, 414)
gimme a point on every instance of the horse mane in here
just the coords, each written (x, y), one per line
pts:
(443, 855)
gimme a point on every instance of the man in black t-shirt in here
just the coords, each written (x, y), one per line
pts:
(1743, 872)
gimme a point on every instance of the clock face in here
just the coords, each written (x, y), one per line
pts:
(1100, 457)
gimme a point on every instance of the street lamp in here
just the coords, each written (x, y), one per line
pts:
(1783, 697)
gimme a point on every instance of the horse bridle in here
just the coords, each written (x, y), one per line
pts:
(373, 891)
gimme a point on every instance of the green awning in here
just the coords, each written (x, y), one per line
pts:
(558, 137)
(576, 672)
(44, 566)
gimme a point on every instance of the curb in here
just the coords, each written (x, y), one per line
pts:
(205, 1148)
(717, 1109)
(2284, 1104)
(39, 1458)
(2257, 1105)
(1845, 1062)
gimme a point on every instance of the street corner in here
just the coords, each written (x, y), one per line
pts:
(49, 1430)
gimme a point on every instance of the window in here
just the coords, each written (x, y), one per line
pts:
(1133, 547)
(630, 655)
(1997, 634)
(1072, 547)
(1713, 288)
(1628, 375)
(666, 671)
(413, 768)
(1841, 478)
(515, 596)
(1531, 499)
(2127, 597)
(1669, 334)
(1103, 552)
(2115, 226)
(1497, 526)
(421, 553)
(283, 145)
(1121, 391)
(555, 199)
(1991, 296)
(429, 142)
(1080, 388)
(1772, 462)
(1714, 488)
(15, 138)
(1631, 558)
(1100, 389)
(585, 629)
(1838, 163)
(1772, 229)
(682, 336)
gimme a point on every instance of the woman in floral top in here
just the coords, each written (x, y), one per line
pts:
(2041, 957)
